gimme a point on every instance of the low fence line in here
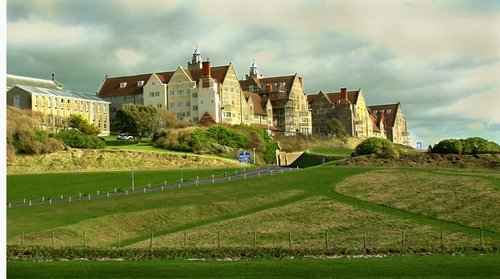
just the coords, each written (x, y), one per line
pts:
(223, 239)
(154, 186)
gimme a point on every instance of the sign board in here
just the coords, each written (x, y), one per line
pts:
(419, 145)
(244, 157)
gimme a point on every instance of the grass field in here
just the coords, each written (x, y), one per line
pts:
(470, 200)
(302, 202)
(436, 266)
(338, 151)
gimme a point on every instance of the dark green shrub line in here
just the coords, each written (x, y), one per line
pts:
(76, 253)
(473, 145)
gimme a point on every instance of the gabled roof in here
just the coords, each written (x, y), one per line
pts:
(111, 86)
(59, 93)
(352, 96)
(207, 119)
(165, 76)
(258, 103)
(389, 112)
(13, 80)
(218, 73)
(271, 84)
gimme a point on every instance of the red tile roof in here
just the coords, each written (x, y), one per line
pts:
(111, 86)
(389, 112)
(352, 96)
(165, 76)
(258, 103)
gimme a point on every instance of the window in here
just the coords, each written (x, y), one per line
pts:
(227, 114)
(232, 89)
(36, 101)
(172, 93)
(123, 84)
(55, 103)
(172, 105)
(195, 107)
(188, 104)
(250, 88)
(158, 105)
(140, 83)
(195, 119)
(304, 120)
(81, 106)
(98, 108)
(105, 125)
(195, 95)
(88, 105)
(17, 101)
(225, 88)
(104, 109)
(43, 101)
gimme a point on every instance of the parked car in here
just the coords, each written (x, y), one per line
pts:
(124, 137)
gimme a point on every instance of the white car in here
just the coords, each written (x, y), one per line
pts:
(125, 137)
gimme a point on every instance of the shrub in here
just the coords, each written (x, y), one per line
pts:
(448, 146)
(227, 136)
(375, 146)
(76, 139)
(477, 145)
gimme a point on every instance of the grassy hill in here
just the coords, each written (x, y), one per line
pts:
(299, 207)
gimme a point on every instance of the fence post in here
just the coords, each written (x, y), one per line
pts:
(89, 196)
(107, 194)
(259, 173)
(126, 192)
(162, 188)
(116, 190)
(442, 240)
(271, 172)
(229, 178)
(10, 205)
(213, 180)
(24, 200)
(98, 192)
(185, 240)
(290, 239)
(254, 239)
(50, 201)
(364, 241)
(43, 199)
(481, 239)
(80, 195)
(149, 184)
(30, 203)
(327, 241)
(151, 242)
(62, 197)
(245, 176)
(165, 183)
(144, 190)
(402, 240)
(218, 239)
(69, 199)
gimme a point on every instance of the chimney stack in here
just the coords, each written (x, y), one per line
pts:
(206, 70)
(343, 93)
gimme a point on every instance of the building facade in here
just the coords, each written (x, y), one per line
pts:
(195, 93)
(54, 106)
(358, 119)
(290, 109)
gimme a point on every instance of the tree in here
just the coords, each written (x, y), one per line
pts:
(374, 145)
(137, 120)
(336, 128)
(78, 122)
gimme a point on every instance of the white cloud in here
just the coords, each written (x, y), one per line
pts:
(42, 34)
(128, 57)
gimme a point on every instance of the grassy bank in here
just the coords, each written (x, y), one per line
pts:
(437, 266)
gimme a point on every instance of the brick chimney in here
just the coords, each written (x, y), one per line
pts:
(206, 73)
(343, 93)
(206, 70)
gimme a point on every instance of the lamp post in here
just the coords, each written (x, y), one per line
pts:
(254, 155)
(133, 186)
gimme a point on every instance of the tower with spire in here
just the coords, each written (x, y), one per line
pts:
(254, 71)
(195, 60)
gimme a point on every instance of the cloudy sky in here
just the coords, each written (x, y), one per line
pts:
(439, 58)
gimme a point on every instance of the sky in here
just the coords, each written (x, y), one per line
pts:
(439, 58)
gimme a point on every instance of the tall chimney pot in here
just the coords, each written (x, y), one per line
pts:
(343, 93)
(206, 70)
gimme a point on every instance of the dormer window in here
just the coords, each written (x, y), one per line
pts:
(123, 84)
(140, 83)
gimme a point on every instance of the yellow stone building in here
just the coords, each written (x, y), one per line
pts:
(55, 106)
(198, 93)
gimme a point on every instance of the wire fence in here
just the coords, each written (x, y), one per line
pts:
(356, 241)
(156, 186)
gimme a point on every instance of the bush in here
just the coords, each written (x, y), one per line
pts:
(375, 146)
(473, 145)
(35, 142)
(76, 139)
(227, 136)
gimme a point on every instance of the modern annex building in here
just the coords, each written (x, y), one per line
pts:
(54, 104)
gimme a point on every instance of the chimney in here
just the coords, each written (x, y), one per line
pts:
(343, 93)
(206, 70)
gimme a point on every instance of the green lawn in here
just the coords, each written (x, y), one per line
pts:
(436, 266)
(53, 185)
(338, 151)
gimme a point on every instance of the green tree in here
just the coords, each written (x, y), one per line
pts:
(336, 128)
(137, 120)
(78, 122)
(448, 146)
